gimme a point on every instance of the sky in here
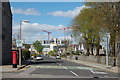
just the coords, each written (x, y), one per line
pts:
(49, 16)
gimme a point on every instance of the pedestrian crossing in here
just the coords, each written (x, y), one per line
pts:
(60, 67)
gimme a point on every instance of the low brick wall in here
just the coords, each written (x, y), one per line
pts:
(95, 59)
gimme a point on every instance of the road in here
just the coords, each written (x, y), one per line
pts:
(56, 68)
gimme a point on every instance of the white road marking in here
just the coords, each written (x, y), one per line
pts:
(37, 66)
(74, 73)
(97, 72)
(70, 70)
(65, 67)
(62, 65)
(84, 68)
(23, 74)
(59, 64)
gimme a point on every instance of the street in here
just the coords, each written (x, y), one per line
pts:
(63, 39)
(58, 68)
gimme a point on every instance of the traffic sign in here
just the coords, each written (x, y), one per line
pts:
(19, 43)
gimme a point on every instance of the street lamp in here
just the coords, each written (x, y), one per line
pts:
(20, 38)
(26, 21)
(107, 48)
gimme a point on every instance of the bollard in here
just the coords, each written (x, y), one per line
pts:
(76, 58)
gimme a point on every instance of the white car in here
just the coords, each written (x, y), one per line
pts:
(58, 57)
(39, 57)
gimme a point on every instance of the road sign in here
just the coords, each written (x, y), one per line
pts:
(19, 43)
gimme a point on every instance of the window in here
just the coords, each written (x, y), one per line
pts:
(3, 36)
(118, 45)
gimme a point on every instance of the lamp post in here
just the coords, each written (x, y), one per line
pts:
(20, 38)
(107, 52)
(71, 45)
(107, 48)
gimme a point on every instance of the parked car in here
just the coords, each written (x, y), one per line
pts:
(39, 57)
(58, 57)
(32, 57)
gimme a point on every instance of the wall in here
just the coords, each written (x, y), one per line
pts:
(96, 59)
(6, 33)
(0, 33)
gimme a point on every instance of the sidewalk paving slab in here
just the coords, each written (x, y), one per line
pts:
(9, 68)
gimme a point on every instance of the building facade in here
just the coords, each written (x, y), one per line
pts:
(54, 41)
(6, 32)
(117, 46)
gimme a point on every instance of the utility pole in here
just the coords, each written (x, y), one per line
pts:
(48, 35)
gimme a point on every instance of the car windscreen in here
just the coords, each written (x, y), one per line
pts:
(46, 46)
(39, 55)
(55, 47)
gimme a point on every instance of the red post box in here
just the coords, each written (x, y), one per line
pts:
(14, 59)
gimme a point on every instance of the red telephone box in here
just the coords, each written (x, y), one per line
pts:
(14, 59)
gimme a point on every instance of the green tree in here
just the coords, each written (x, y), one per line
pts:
(52, 53)
(110, 18)
(27, 46)
(25, 54)
(112, 23)
(98, 18)
(38, 46)
(87, 22)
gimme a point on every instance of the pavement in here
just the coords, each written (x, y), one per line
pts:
(9, 68)
(95, 65)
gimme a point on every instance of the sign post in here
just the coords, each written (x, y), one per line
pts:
(19, 44)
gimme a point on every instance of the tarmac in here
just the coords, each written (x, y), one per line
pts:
(9, 68)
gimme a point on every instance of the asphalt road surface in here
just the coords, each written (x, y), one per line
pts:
(57, 68)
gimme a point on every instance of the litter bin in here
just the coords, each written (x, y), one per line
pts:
(76, 57)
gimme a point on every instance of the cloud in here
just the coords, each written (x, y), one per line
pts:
(33, 31)
(29, 11)
(69, 13)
